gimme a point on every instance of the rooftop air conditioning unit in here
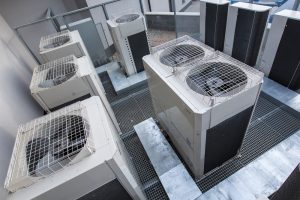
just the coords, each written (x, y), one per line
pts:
(62, 44)
(246, 24)
(130, 39)
(71, 153)
(205, 106)
(213, 22)
(64, 81)
(281, 57)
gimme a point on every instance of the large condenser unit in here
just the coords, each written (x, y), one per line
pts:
(281, 57)
(205, 105)
(61, 44)
(213, 15)
(246, 24)
(72, 153)
(130, 39)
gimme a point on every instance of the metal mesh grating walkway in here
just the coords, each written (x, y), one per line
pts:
(270, 125)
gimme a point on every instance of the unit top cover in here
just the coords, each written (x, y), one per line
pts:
(127, 18)
(177, 52)
(250, 6)
(55, 40)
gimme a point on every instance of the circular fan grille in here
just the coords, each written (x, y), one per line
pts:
(59, 74)
(56, 143)
(58, 41)
(216, 79)
(178, 54)
(127, 18)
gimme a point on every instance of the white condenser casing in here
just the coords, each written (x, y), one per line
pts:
(62, 44)
(205, 106)
(66, 80)
(130, 38)
(99, 167)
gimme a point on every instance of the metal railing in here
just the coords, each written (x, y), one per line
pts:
(53, 18)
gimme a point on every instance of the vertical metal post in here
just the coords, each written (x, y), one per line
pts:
(296, 4)
(175, 21)
(65, 22)
(141, 6)
(105, 12)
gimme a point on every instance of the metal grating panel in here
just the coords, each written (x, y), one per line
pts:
(217, 79)
(176, 55)
(270, 125)
(258, 140)
(139, 158)
(219, 175)
(262, 108)
(283, 123)
(156, 192)
(220, 78)
(133, 109)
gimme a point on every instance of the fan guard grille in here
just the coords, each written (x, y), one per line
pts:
(55, 40)
(179, 54)
(50, 143)
(216, 79)
(55, 72)
(127, 18)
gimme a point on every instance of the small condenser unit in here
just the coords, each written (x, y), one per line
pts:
(62, 44)
(131, 42)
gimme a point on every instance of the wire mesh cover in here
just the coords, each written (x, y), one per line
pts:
(216, 79)
(50, 143)
(55, 72)
(55, 40)
(127, 18)
(179, 54)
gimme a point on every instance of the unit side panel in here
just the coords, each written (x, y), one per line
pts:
(285, 69)
(259, 26)
(110, 191)
(210, 24)
(139, 48)
(221, 26)
(242, 34)
(224, 140)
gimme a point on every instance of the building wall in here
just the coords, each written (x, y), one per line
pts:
(16, 104)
